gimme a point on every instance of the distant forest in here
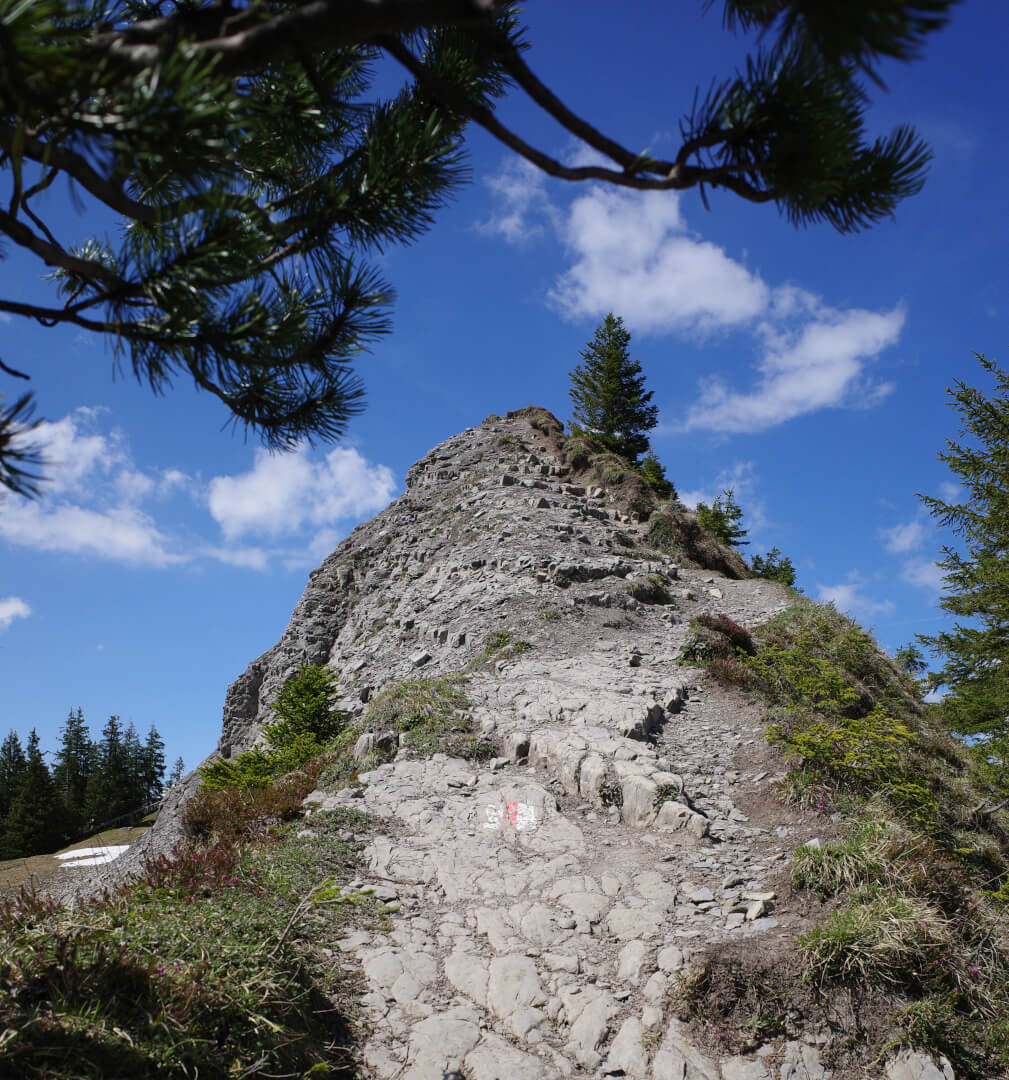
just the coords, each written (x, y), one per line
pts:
(91, 784)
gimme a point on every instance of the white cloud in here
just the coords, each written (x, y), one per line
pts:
(91, 505)
(819, 365)
(904, 537)
(133, 485)
(122, 533)
(172, 480)
(88, 502)
(520, 193)
(254, 558)
(76, 455)
(283, 493)
(850, 598)
(740, 478)
(923, 573)
(633, 253)
(11, 608)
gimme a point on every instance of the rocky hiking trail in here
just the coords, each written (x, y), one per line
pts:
(543, 903)
(539, 929)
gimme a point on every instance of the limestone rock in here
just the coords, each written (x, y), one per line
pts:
(551, 887)
(912, 1065)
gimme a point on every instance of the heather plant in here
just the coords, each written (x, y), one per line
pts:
(207, 966)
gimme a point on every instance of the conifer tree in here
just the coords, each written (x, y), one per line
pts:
(153, 770)
(33, 824)
(723, 518)
(654, 472)
(13, 765)
(609, 395)
(178, 771)
(75, 764)
(252, 168)
(774, 567)
(110, 792)
(976, 574)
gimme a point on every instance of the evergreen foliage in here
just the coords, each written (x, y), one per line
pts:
(305, 722)
(976, 576)
(253, 168)
(654, 472)
(177, 773)
(723, 519)
(33, 822)
(609, 395)
(91, 783)
(774, 567)
(911, 659)
(75, 765)
(13, 766)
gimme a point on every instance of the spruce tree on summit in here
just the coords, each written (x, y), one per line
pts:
(609, 395)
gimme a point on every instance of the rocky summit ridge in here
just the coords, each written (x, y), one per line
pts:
(596, 815)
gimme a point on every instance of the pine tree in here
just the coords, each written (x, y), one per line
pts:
(653, 471)
(774, 567)
(133, 752)
(13, 765)
(75, 764)
(153, 772)
(609, 395)
(109, 793)
(723, 518)
(252, 167)
(34, 824)
(976, 575)
(177, 773)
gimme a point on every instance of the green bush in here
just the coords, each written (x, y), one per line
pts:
(305, 723)
(774, 567)
(654, 473)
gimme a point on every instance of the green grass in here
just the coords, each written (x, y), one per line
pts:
(18, 873)
(212, 965)
(500, 645)
(421, 716)
(917, 878)
(652, 591)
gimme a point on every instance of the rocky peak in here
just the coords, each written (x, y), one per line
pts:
(590, 815)
(498, 529)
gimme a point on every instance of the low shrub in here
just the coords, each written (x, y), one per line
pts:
(208, 965)
(651, 591)
(305, 723)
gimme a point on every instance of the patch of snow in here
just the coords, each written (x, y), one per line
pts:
(92, 856)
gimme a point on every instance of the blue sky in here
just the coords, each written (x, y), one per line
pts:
(803, 368)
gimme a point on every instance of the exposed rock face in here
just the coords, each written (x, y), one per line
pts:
(547, 900)
(496, 531)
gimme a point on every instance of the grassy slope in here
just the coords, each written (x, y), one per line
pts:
(210, 966)
(914, 937)
(15, 873)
